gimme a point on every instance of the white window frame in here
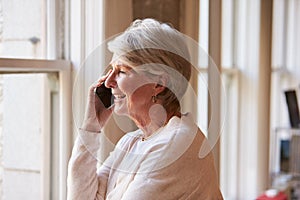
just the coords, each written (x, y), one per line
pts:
(63, 69)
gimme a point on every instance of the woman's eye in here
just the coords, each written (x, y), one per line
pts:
(122, 72)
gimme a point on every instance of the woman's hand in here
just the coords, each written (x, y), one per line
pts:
(96, 115)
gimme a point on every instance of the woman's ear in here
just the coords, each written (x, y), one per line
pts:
(161, 84)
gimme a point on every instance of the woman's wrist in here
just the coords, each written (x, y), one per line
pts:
(89, 140)
(91, 127)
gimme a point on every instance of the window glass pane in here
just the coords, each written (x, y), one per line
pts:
(202, 101)
(227, 33)
(203, 32)
(279, 111)
(278, 34)
(285, 51)
(286, 36)
(22, 28)
(23, 122)
(229, 136)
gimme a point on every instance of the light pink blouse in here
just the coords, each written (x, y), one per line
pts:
(165, 166)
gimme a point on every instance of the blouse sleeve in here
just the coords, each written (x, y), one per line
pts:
(84, 182)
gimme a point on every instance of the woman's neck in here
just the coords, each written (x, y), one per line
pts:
(154, 122)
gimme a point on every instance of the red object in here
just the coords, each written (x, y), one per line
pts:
(279, 196)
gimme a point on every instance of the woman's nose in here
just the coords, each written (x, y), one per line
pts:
(111, 82)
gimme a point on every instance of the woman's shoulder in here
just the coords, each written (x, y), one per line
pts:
(182, 129)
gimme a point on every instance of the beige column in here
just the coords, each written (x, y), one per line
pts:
(189, 25)
(264, 93)
(214, 79)
(117, 16)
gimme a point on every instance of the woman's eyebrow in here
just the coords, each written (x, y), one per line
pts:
(121, 66)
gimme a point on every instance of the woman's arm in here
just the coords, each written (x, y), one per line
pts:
(83, 180)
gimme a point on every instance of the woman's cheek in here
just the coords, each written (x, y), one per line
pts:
(130, 85)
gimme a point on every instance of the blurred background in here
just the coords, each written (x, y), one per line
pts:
(254, 44)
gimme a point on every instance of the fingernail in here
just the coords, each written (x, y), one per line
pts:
(109, 71)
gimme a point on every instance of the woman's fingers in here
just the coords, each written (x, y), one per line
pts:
(96, 113)
(103, 78)
(99, 82)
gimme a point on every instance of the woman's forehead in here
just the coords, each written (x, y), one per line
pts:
(146, 69)
(119, 63)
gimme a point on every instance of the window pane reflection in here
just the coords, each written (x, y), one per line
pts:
(22, 28)
(22, 133)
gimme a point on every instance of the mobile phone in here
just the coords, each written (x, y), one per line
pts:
(105, 95)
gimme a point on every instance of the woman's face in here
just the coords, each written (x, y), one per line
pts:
(132, 91)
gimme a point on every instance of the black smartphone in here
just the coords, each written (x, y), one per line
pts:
(105, 95)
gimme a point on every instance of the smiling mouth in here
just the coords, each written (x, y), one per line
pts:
(119, 96)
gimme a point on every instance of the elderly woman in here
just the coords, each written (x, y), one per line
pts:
(160, 160)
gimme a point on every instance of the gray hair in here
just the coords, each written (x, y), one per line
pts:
(156, 48)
